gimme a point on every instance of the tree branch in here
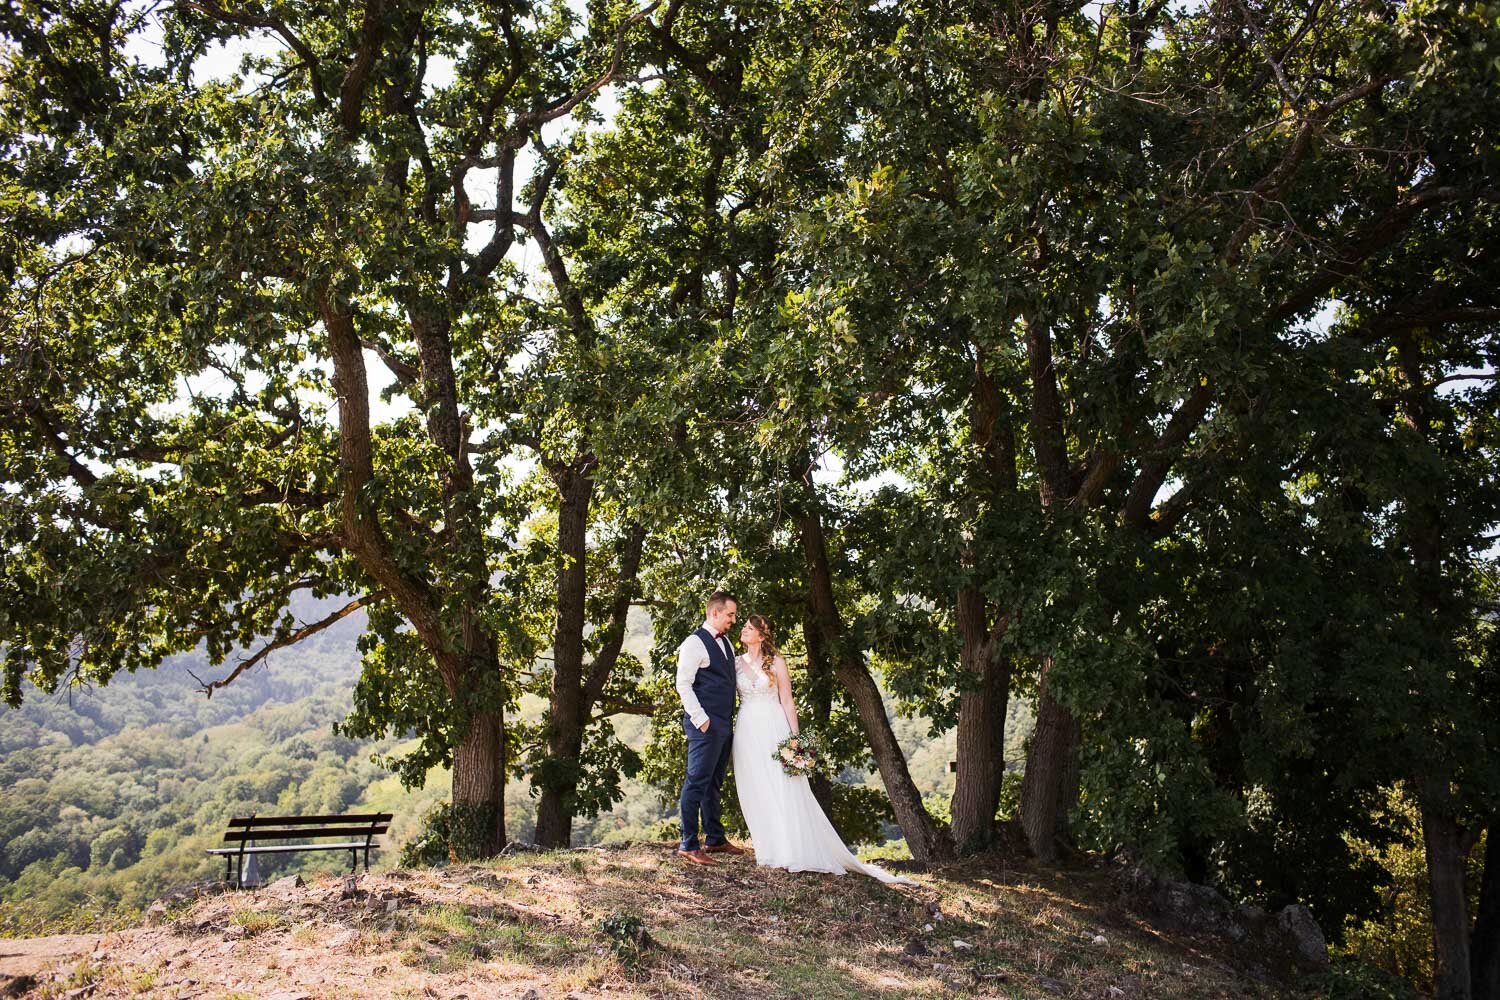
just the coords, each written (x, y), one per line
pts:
(1369, 240)
(270, 493)
(1308, 20)
(573, 304)
(1271, 185)
(352, 91)
(695, 64)
(1048, 435)
(363, 535)
(302, 633)
(80, 473)
(512, 74)
(614, 638)
(1101, 465)
(519, 134)
(1273, 60)
(406, 373)
(1158, 461)
(611, 706)
(296, 44)
(507, 438)
(503, 213)
(559, 108)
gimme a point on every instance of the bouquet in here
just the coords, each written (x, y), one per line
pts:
(799, 754)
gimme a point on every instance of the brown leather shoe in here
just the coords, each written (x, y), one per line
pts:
(696, 857)
(725, 848)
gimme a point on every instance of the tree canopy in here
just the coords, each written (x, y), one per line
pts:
(1134, 359)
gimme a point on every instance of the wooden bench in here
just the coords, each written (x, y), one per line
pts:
(244, 829)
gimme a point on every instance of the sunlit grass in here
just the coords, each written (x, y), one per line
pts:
(257, 921)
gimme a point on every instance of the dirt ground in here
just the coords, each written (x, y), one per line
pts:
(636, 922)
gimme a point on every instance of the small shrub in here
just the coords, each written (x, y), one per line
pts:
(627, 938)
(1010, 795)
(256, 921)
(449, 833)
(1358, 981)
(429, 848)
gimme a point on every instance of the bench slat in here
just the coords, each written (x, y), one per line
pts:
(257, 821)
(235, 836)
(289, 848)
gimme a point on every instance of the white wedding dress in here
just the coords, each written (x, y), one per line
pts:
(788, 828)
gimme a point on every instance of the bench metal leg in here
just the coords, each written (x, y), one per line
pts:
(239, 873)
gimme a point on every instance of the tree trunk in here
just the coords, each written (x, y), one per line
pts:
(1051, 780)
(478, 817)
(1484, 947)
(1443, 839)
(554, 817)
(925, 838)
(981, 729)
(558, 778)
(983, 703)
(478, 825)
(820, 694)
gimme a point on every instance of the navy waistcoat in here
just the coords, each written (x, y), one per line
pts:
(714, 684)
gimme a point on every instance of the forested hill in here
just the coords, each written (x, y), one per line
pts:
(113, 792)
(171, 697)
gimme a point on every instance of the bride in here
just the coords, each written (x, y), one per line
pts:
(787, 826)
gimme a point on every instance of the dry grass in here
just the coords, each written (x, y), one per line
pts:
(536, 922)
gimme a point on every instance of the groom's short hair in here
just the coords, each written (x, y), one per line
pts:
(719, 598)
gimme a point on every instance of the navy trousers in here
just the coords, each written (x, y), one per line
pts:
(707, 760)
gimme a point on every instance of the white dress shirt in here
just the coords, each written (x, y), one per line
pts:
(692, 656)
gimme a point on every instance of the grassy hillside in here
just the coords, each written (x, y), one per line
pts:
(632, 922)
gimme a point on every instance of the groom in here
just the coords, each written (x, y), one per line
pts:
(705, 680)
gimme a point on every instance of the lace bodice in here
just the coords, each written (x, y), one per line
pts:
(751, 680)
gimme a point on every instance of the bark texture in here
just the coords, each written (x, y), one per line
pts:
(927, 840)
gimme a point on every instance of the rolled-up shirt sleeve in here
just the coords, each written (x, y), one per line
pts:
(692, 656)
